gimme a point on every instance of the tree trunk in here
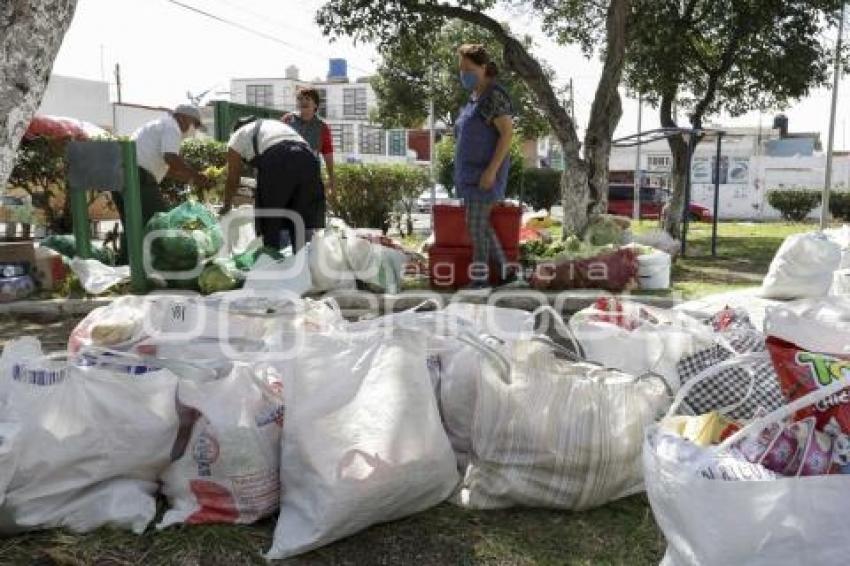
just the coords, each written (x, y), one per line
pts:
(31, 32)
(606, 111)
(678, 170)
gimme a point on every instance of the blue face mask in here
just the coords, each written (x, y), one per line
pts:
(468, 79)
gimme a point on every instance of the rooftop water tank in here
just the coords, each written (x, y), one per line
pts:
(338, 70)
(292, 72)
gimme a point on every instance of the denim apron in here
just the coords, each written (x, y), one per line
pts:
(476, 144)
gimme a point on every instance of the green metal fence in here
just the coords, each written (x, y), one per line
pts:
(226, 114)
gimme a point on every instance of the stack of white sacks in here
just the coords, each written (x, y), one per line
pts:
(370, 422)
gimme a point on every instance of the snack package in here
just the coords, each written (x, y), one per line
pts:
(800, 372)
(704, 430)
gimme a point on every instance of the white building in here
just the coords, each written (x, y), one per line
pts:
(78, 98)
(753, 162)
(346, 107)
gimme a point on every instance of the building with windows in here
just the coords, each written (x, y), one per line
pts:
(346, 106)
(753, 162)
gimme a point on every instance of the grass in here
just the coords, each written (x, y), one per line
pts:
(621, 533)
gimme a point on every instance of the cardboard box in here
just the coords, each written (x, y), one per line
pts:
(17, 252)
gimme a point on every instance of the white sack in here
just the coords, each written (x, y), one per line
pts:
(290, 275)
(817, 325)
(651, 347)
(746, 519)
(10, 430)
(329, 266)
(802, 268)
(230, 469)
(363, 443)
(82, 428)
(551, 433)
(98, 278)
(841, 236)
(238, 232)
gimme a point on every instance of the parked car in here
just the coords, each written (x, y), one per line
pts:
(652, 201)
(423, 203)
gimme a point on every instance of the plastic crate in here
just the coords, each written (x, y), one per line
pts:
(448, 266)
(450, 225)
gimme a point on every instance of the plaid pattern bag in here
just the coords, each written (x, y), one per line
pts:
(731, 386)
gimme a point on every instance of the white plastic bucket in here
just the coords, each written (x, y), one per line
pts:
(654, 270)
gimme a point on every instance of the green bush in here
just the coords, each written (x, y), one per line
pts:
(207, 156)
(366, 196)
(541, 188)
(795, 205)
(839, 206)
(446, 166)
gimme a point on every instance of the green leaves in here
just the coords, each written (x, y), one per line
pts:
(366, 196)
(414, 67)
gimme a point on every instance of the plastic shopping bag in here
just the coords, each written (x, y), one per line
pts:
(363, 443)
(229, 470)
(553, 433)
(715, 508)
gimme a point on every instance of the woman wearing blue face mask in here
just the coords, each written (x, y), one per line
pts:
(483, 132)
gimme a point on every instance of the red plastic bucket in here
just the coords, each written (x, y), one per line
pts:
(450, 225)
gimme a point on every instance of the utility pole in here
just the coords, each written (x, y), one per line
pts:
(638, 172)
(431, 138)
(827, 187)
(572, 102)
(118, 81)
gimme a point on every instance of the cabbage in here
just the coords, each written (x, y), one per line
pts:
(220, 275)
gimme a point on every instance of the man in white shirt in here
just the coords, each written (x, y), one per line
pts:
(158, 156)
(288, 178)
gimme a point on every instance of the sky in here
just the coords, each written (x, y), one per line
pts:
(165, 50)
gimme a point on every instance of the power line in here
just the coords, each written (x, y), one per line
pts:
(251, 30)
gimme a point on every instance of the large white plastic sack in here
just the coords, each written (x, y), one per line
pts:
(755, 520)
(82, 428)
(289, 275)
(802, 268)
(817, 325)
(558, 434)
(841, 236)
(329, 268)
(652, 347)
(229, 471)
(363, 443)
(10, 430)
(97, 277)
(239, 234)
(377, 266)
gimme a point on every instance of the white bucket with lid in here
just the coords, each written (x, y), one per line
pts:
(654, 270)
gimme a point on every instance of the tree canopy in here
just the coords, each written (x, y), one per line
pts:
(404, 79)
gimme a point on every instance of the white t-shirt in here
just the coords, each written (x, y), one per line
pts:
(155, 139)
(271, 132)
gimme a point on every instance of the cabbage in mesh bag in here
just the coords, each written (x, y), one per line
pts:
(199, 239)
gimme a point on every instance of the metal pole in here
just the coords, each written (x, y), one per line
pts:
(716, 195)
(118, 81)
(431, 138)
(827, 187)
(572, 102)
(638, 175)
(686, 206)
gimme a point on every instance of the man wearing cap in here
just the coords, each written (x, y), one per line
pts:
(158, 156)
(288, 178)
